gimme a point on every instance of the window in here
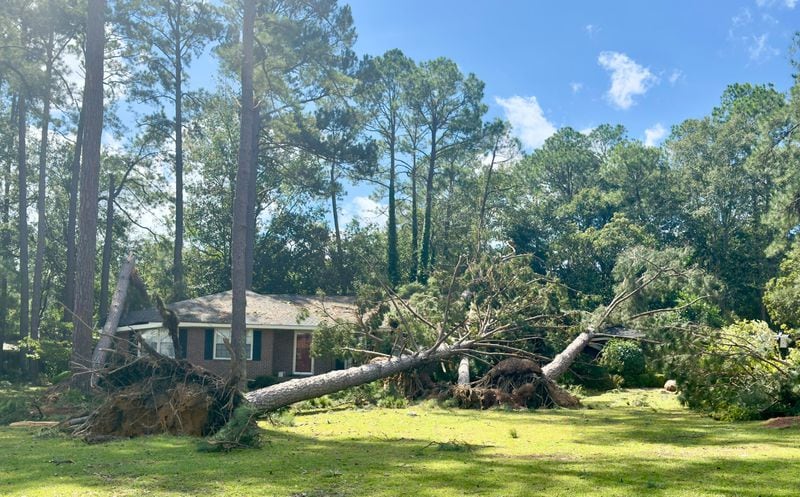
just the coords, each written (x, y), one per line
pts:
(160, 340)
(221, 351)
(303, 362)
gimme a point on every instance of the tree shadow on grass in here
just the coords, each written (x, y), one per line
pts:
(292, 464)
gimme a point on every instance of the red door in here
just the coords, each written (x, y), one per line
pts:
(302, 353)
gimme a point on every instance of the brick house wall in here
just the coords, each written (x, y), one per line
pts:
(277, 349)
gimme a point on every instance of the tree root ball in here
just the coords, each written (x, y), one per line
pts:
(152, 395)
(513, 382)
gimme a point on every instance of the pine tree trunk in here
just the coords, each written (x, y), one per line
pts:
(178, 287)
(392, 256)
(425, 256)
(289, 392)
(68, 299)
(41, 230)
(5, 236)
(22, 225)
(339, 261)
(463, 371)
(83, 321)
(240, 223)
(105, 271)
(564, 360)
(413, 273)
(106, 342)
(252, 192)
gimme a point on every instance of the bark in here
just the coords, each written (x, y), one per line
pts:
(336, 230)
(41, 230)
(564, 360)
(425, 255)
(463, 371)
(485, 199)
(252, 194)
(289, 392)
(22, 225)
(90, 171)
(179, 289)
(104, 345)
(239, 229)
(392, 255)
(105, 270)
(5, 237)
(414, 221)
(72, 215)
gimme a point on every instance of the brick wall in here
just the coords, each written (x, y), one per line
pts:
(277, 347)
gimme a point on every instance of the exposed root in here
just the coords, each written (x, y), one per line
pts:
(513, 382)
(156, 394)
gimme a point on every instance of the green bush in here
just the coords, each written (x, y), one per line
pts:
(624, 358)
(735, 373)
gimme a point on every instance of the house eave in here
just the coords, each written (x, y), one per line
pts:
(266, 326)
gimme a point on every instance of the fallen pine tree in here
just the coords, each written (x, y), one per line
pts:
(474, 309)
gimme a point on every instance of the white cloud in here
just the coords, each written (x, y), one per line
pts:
(587, 131)
(628, 78)
(365, 210)
(527, 119)
(591, 29)
(576, 86)
(675, 76)
(759, 48)
(789, 4)
(654, 135)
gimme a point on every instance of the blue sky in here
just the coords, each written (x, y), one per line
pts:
(643, 64)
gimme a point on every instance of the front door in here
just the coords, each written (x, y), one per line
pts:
(303, 363)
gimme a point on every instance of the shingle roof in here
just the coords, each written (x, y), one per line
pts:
(262, 310)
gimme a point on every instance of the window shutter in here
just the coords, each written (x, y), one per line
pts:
(183, 340)
(256, 345)
(208, 353)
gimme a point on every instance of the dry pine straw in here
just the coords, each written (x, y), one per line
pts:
(626, 444)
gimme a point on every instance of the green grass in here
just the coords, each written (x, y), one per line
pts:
(625, 444)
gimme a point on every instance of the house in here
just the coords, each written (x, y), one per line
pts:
(280, 330)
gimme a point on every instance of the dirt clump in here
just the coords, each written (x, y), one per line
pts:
(782, 422)
(516, 382)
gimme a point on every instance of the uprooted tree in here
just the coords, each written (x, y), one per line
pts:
(482, 309)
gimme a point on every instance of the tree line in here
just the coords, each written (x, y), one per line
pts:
(107, 148)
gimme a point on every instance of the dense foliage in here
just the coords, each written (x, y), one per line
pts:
(715, 206)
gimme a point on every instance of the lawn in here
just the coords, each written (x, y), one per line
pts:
(624, 444)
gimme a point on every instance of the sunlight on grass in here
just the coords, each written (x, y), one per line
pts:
(624, 443)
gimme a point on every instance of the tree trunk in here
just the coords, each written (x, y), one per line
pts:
(338, 262)
(414, 221)
(392, 255)
(564, 360)
(252, 193)
(239, 229)
(41, 229)
(22, 225)
(485, 200)
(105, 270)
(463, 371)
(90, 172)
(72, 215)
(5, 235)
(178, 287)
(104, 345)
(289, 392)
(425, 256)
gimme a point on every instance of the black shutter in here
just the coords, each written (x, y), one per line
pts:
(208, 353)
(256, 345)
(183, 341)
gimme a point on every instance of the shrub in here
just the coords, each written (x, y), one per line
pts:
(735, 374)
(624, 358)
